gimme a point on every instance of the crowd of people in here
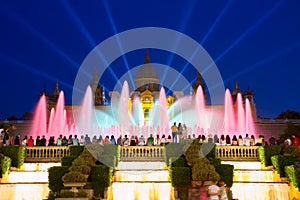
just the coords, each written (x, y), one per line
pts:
(177, 133)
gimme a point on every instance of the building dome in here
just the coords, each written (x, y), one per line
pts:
(146, 71)
(147, 77)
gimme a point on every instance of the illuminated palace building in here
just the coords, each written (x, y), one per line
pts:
(147, 91)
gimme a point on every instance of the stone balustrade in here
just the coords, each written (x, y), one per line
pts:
(237, 152)
(135, 153)
(145, 153)
(46, 154)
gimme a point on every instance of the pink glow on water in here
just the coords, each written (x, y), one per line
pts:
(240, 114)
(200, 107)
(39, 126)
(229, 119)
(58, 120)
(51, 119)
(123, 115)
(85, 114)
(163, 111)
(137, 111)
(249, 119)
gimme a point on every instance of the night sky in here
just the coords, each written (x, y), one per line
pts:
(256, 43)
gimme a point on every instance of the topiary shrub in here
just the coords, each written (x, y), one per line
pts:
(202, 170)
(85, 158)
(173, 150)
(226, 173)
(108, 160)
(55, 175)
(73, 176)
(293, 174)
(180, 176)
(280, 161)
(67, 160)
(177, 162)
(266, 152)
(101, 177)
(5, 163)
(16, 153)
(193, 152)
(84, 169)
(76, 150)
(209, 150)
(112, 150)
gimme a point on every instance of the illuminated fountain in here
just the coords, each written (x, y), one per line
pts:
(250, 182)
(123, 117)
(141, 180)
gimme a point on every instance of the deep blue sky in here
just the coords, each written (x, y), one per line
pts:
(254, 42)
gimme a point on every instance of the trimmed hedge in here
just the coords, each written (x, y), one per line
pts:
(67, 160)
(293, 174)
(177, 162)
(209, 150)
(54, 177)
(5, 163)
(266, 152)
(75, 151)
(101, 177)
(173, 150)
(113, 150)
(226, 173)
(280, 161)
(16, 153)
(180, 176)
(108, 160)
(215, 161)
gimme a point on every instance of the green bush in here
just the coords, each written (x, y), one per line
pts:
(101, 177)
(209, 150)
(75, 150)
(173, 150)
(16, 153)
(266, 152)
(292, 150)
(73, 176)
(293, 174)
(215, 161)
(5, 163)
(226, 173)
(84, 169)
(67, 194)
(67, 160)
(280, 161)
(180, 176)
(108, 160)
(177, 162)
(54, 177)
(113, 150)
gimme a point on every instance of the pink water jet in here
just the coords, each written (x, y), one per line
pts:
(229, 119)
(123, 115)
(85, 115)
(240, 114)
(39, 126)
(249, 118)
(200, 107)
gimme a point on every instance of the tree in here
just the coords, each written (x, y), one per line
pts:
(289, 114)
(12, 118)
(27, 116)
(291, 129)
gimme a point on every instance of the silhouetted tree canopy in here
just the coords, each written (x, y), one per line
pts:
(291, 129)
(289, 114)
(12, 118)
(27, 116)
